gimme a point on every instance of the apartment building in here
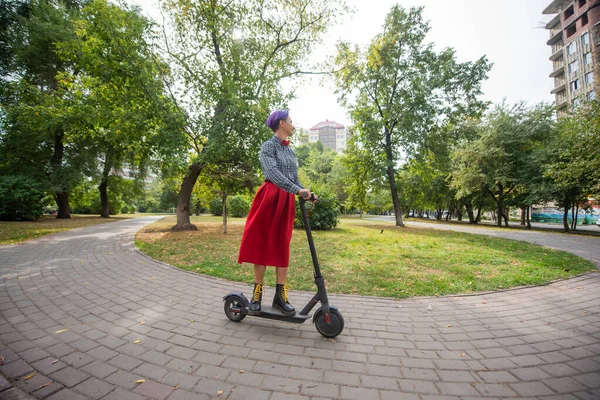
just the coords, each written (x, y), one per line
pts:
(575, 51)
(331, 134)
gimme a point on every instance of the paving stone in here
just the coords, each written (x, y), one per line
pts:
(531, 342)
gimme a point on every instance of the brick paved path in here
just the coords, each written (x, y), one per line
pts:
(92, 316)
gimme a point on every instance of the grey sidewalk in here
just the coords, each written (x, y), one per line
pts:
(93, 316)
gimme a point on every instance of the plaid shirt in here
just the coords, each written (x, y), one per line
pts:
(280, 165)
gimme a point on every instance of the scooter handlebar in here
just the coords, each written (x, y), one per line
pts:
(311, 198)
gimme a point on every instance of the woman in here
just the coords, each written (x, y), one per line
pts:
(268, 230)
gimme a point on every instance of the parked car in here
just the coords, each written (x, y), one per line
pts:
(598, 222)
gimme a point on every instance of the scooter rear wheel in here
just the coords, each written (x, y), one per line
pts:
(335, 327)
(233, 308)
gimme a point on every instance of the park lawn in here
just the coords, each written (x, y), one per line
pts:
(367, 257)
(19, 231)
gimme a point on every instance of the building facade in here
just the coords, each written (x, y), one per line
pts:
(331, 134)
(575, 51)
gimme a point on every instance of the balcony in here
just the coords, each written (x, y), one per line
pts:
(559, 88)
(557, 72)
(555, 38)
(557, 55)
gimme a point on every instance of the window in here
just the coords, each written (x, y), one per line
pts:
(571, 30)
(569, 12)
(584, 19)
(591, 96)
(581, 3)
(571, 48)
(587, 59)
(574, 66)
(589, 78)
(585, 39)
(576, 102)
(574, 85)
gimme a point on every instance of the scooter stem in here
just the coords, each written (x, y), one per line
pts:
(311, 243)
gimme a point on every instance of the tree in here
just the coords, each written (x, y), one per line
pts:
(403, 89)
(501, 161)
(33, 101)
(231, 57)
(399, 87)
(118, 87)
(574, 164)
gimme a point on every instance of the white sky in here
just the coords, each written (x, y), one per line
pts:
(509, 32)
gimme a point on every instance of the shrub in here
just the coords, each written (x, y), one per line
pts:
(239, 206)
(322, 215)
(216, 207)
(20, 198)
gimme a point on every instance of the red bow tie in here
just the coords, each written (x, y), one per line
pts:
(285, 142)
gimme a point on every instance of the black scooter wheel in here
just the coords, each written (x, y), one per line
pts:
(233, 308)
(335, 327)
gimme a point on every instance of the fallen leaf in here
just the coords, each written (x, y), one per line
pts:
(430, 307)
(462, 354)
(55, 361)
(45, 385)
(1, 360)
(140, 381)
(191, 320)
(218, 376)
(142, 322)
(241, 371)
(470, 283)
(567, 269)
(153, 277)
(579, 287)
(61, 331)
(484, 302)
(220, 392)
(176, 387)
(137, 341)
(331, 340)
(29, 377)
(448, 326)
(399, 306)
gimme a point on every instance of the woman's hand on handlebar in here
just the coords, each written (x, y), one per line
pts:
(306, 195)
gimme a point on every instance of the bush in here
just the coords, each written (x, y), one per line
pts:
(20, 198)
(322, 215)
(216, 207)
(238, 206)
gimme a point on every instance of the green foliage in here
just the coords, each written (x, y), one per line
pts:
(398, 90)
(238, 206)
(322, 215)
(503, 161)
(20, 198)
(216, 207)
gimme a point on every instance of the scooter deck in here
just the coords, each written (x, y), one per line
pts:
(273, 313)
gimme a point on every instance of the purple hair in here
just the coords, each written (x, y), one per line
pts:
(275, 117)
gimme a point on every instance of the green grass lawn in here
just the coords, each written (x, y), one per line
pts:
(20, 231)
(368, 257)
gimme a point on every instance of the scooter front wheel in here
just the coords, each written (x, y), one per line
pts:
(233, 308)
(334, 328)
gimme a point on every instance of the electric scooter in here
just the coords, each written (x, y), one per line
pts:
(327, 319)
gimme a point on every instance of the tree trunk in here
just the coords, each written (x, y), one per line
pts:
(500, 205)
(505, 216)
(105, 210)
(61, 196)
(224, 214)
(575, 215)
(528, 217)
(393, 189)
(478, 217)
(62, 201)
(566, 217)
(185, 195)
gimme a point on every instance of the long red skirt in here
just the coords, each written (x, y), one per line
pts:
(268, 230)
